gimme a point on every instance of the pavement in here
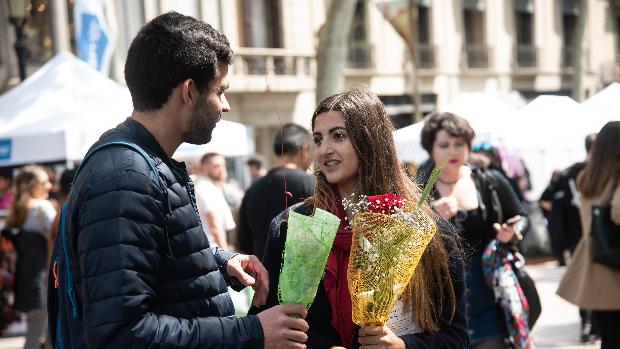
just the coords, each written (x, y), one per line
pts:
(557, 327)
(559, 323)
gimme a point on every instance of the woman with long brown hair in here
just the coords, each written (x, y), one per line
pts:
(355, 155)
(589, 284)
(28, 225)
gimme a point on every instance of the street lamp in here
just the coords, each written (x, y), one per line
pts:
(18, 17)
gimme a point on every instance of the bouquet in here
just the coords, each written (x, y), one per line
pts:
(390, 234)
(309, 240)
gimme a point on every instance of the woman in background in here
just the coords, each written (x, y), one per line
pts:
(589, 284)
(28, 225)
(481, 214)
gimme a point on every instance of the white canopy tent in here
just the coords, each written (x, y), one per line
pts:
(407, 140)
(229, 139)
(487, 113)
(61, 110)
(601, 108)
(58, 112)
(64, 85)
(548, 135)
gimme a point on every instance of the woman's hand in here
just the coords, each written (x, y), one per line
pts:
(507, 231)
(377, 337)
(446, 207)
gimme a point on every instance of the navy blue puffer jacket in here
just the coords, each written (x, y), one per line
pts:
(138, 286)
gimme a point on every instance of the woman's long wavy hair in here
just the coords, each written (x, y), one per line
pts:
(604, 164)
(370, 130)
(28, 177)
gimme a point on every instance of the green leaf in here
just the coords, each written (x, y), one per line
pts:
(430, 183)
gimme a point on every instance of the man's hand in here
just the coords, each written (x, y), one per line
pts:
(283, 331)
(379, 337)
(250, 272)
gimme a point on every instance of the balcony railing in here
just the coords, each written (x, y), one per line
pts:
(526, 56)
(476, 56)
(427, 54)
(258, 69)
(271, 61)
(359, 55)
(568, 60)
(567, 57)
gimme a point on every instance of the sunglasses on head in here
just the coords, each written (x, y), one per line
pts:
(484, 146)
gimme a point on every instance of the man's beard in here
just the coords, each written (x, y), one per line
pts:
(201, 125)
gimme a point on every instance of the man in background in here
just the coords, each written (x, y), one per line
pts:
(256, 165)
(213, 166)
(266, 198)
(562, 200)
(215, 212)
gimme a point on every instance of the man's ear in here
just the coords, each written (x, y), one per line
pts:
(305, 148)
(189, 92)
(304, 152)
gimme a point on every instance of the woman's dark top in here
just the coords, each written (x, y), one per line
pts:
(492, 208)
(497, 202)
(452, 334)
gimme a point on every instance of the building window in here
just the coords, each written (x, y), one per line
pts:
(426, 50)
(400, 107)
(358, 53)
(261, 23)
(261, 28)
(570, 17)
(524, 28)
(474, 22)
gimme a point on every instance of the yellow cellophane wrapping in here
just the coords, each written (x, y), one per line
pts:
(385, 252)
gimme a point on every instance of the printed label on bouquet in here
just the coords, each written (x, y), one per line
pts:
(401, 322)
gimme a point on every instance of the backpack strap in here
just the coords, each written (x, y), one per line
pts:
(488, 184)
(63, 240)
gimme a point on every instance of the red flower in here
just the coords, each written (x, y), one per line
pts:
(386, 204)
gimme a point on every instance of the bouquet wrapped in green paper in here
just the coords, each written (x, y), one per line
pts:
(309, 240)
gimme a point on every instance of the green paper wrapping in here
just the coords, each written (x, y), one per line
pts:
(308, 242)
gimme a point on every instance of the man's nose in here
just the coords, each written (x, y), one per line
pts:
(225, 105)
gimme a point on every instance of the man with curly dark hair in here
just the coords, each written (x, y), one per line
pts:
(144, 274)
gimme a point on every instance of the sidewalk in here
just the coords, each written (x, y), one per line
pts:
(557, 327)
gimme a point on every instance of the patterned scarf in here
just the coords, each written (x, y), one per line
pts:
(497, 265)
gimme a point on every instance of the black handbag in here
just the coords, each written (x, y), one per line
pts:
(531, 294)
(605, 238)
